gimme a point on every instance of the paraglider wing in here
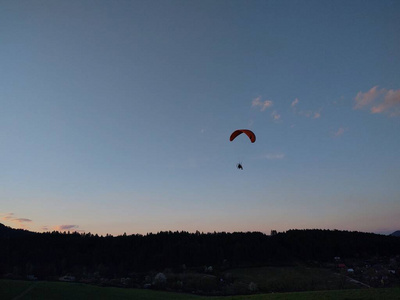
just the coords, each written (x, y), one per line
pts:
(249, 133)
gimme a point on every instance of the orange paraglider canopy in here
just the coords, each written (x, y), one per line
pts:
(249, 133)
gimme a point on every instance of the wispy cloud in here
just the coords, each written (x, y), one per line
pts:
(310, 114)
(22, 220)
(66, 227)
(275, 115)
(390, 104)
(263, 105)
(7, 216)
(69, 227)
(294, 103)
(339, 132)
(379, 101)
(23, 223)
(317, 115)
(365, 99)
(305, 113)
(18, 222)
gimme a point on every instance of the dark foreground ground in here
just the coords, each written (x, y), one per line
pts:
(23, 290)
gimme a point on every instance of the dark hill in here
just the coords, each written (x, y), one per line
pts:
(396, 233)
(6, 231)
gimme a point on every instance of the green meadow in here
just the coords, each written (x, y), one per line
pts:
(358, 294)
(291, 278)
(41, 290)
(45, 290)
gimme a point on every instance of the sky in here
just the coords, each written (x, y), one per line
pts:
(115, 116)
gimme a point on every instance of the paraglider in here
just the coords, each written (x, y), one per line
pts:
(250, 135)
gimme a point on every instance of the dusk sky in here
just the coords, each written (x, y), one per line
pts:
(115, 116)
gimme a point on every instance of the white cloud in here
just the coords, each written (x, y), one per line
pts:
(22, 220)
(263, 105)
(66, 227)
(305, 113)
(365, 99)
(72, 228)
(317, 115)
(7, 216)
(275, 115)
(390, 104)
(17, 222)
(379, 101)
(339, 132)
(294, 103)
(11, 217)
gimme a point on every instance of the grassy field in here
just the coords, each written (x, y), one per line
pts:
(295, 278)
(11, 288)
(364, 294)
(24, 290)
(43, 290)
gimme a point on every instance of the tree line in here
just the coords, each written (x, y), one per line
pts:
(52, 254)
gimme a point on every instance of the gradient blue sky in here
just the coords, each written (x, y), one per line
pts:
(115, 116)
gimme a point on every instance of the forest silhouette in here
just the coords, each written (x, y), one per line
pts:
(53, 254)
